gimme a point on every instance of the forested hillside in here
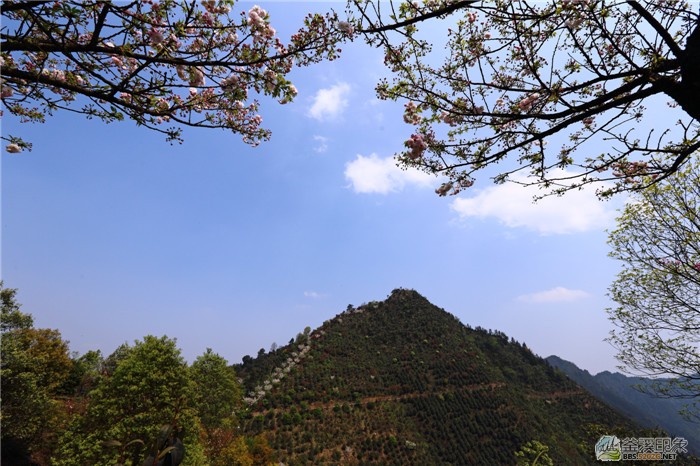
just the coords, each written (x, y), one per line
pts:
(395, 382)
(632, 397)
(404, 382)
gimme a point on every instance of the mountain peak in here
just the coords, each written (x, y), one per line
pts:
(402, 381)
(398, 297)
(405, 294)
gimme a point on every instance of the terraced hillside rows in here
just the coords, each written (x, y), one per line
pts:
(403, 382)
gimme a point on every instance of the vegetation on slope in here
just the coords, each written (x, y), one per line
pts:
(404, 382)
(396, 382)
(632, 396)
(141, 406)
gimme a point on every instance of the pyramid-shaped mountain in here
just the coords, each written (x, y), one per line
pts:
(403, 382)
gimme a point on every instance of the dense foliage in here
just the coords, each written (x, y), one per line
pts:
(404, 382)
(217, 394)
(393, 382)
(34, 365)
(149, 388)
(140, 404)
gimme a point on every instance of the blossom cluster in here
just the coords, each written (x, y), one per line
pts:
(417, 145)
(258, 22)
(411, 113)
(214, 7)
(277, 375)
(444, 189)
(184, 63)
(291, 93)
(629, 170)
(674, 264)
(346, 28)
(231, 83)
(527, 103)
(450, 118)
(13, 148)
(573, 23)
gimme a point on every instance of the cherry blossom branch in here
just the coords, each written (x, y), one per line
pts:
(523, 73)
(450, 8)
(180, 62)
(660, 30)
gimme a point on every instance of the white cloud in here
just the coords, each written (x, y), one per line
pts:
(328, 103)
(312, 294)
(577, 211)
(376, 175)
(322, 144)
(555, 295)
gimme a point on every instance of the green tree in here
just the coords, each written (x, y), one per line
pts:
(12, 318)
(657, 291)
(149, 388)
(111, 362)
(217, 393)
(533, 453)
(34, 364)
(85, 374)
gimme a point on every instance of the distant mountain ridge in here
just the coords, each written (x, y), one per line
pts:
(404, 382)
(619, 392)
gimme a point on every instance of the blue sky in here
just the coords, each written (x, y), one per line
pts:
(110, 233)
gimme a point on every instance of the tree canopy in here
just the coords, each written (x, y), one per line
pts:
(658, 289)
(164, 65)
(533, 453)
(567, 92)
(34, 365)
(12, 318)
(558, 90)
(142, 405)
(149, 388)
(217, 394)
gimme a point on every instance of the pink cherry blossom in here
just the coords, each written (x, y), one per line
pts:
(156, 36)
(411, 114)
(162, 48)
(13, 148)
(346, 27)
(444, 189)
(417, 145)
(197, 77)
